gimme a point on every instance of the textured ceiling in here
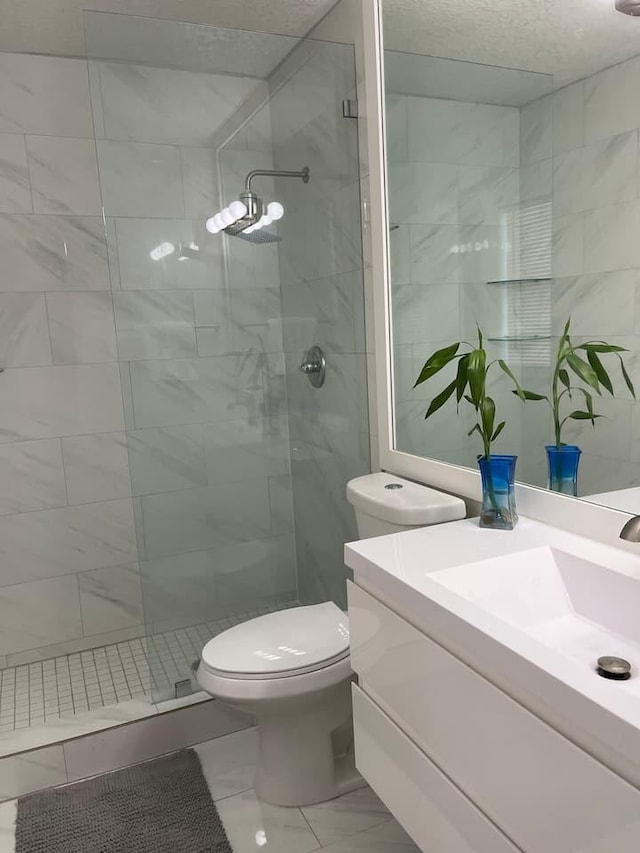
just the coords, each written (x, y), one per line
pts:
(56, 27)
(567, 38)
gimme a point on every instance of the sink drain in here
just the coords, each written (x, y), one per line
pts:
(618, 669)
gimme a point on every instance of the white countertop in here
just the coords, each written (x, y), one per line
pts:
(601, 716)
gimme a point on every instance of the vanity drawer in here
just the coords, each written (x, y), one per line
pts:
(546, 794)
(434, 812)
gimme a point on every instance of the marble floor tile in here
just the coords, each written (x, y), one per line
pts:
(347, 815)
(229, 763)
(252, 825)
(387, 837)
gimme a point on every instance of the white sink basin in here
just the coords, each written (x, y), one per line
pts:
(580, 609)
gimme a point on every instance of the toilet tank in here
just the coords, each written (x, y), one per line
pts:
(384, 503)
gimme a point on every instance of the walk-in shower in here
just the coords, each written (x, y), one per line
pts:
(165, 469)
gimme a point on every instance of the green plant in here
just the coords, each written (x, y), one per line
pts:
(592, 372)
(470, 385)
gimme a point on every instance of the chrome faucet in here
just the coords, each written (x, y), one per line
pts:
(631, 530)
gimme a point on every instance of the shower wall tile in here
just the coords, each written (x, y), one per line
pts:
(599, 305)
(137, 100)
(53, 542)
(24, 333)
(45, 402)
(140, 179)
(15, 189)
(167, 459)
(44, 95)
(64, 175)
(39, 613)
(199, 519)
(611, 106)
(96, 467)
(327, 310)
(81, 327)
(568, 245)
(596, 175)
(179, 590)
(176, 391)
(568, 118)
(433, 258)
(423, 193)
(158, 324)
(213, 340)
(423, 314)
(53, 253)
(610, 237)
(488, 195)
(200, 182)
(396, 128)
(136, 238)
(536, 137)
(31, 476)
(110, 599)
(442, 131)
(281, 505)
(245, 450)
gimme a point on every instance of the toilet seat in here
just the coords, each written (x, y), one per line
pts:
(285, 644)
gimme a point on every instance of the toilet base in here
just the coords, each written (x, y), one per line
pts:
(307, 756)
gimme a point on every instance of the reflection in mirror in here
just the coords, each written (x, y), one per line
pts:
(513, 206)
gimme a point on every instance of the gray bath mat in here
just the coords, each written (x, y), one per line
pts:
(161, 806)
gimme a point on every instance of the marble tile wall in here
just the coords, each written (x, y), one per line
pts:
(321, 271)
(454, 190)
(143, 428)
(581, 147)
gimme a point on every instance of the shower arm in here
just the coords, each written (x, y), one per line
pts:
(303, 174)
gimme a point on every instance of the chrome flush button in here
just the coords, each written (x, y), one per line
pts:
(618, 669)
(394, 486)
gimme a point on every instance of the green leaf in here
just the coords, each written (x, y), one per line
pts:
(531, 395)
(440, 400)
(499, 429)
(506, 369)
(565, 332)
(584, 370)
(627, 378)
(462, 377)
(563, 376)
(476, 372)
(474, 428)
(480, 338)
(601, 373)
(487, 415)
(436, 362)
(601, 347)
(583, 416)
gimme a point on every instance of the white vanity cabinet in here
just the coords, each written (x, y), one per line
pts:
(462, 765)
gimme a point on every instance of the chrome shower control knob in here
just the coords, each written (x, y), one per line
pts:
(314, 366)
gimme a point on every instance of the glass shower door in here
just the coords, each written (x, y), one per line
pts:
(208, 326)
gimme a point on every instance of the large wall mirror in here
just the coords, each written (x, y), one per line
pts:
(513, 196)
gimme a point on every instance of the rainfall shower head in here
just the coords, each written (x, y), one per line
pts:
(248, 215)
(258, 237)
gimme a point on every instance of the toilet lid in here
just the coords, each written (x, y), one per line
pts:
(301, 639)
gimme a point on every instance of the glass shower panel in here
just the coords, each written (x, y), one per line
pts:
(208, 366)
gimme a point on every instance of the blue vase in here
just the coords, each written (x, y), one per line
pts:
(563, 468)
(498, 492)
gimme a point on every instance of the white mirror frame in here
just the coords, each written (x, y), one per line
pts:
(579, 516)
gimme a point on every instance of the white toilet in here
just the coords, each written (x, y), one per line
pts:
(291, 669)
